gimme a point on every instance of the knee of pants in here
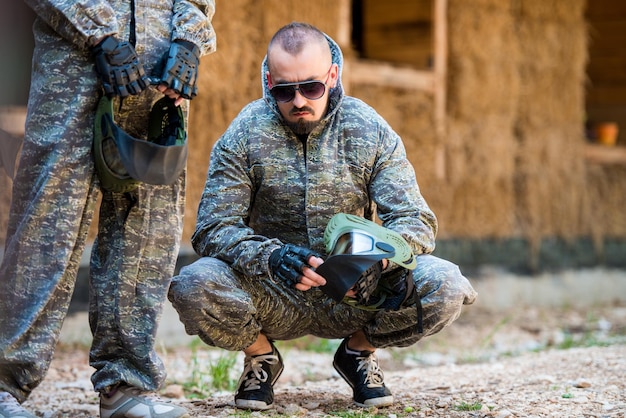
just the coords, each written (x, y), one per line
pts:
(211, 304)
(193, 290)
(205, 282)
(442, 280)
(182, 290)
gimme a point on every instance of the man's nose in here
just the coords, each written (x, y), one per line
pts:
(299, 100)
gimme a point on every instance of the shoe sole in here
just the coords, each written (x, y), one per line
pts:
(381, 401)
(253, 405)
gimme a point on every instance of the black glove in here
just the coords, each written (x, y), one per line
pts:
(288, 261)
(180, 71)
(119, 68)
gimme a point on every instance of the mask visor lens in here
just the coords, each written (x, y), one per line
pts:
(353, 243)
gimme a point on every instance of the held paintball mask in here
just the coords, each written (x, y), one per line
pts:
(356, 247)
(122, 161)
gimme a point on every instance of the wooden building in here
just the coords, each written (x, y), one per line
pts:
(497, 102)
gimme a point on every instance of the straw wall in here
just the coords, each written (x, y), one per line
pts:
(513, 147)
(551, 173)
(483, 87)
(516, 118)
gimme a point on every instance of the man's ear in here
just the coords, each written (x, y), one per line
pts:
(334, 75)
(269, 79)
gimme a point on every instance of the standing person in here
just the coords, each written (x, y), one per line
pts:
(286, 165)
(82, 48)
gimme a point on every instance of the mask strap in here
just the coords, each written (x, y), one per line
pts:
(132, 38)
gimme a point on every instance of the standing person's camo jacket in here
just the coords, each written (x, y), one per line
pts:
(266, 187)
(56, 190)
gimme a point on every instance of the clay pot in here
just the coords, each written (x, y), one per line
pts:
(606, 133)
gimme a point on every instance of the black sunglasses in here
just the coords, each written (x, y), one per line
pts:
(312, 90)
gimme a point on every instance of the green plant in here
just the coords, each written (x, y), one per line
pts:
(464, 406)
(586, 340)
(220, 371)
(209, 375)
(198, 385)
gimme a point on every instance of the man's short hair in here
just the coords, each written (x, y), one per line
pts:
(292, 38)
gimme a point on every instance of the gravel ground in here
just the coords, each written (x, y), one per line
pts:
(511, 362)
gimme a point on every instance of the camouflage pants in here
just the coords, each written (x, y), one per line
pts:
(228, 310)
(54, 199)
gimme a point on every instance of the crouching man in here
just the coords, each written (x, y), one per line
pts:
(295, 180)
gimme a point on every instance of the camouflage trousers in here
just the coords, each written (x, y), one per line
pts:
(228, 310)
(55, 196)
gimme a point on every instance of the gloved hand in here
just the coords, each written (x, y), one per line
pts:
(119, 68)
(180, 71)
(288, 261)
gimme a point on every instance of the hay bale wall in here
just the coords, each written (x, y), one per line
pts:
(515, 132)
(551, 175)
(483, 87)
(515, 116)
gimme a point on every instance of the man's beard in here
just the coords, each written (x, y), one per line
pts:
(302, 126)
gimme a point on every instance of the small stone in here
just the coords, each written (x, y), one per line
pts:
(292, 410)
(443, 403)
(174, 392)
(582, 383)
(311, 405)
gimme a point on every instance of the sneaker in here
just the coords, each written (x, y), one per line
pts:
(256, 384)
(11, 408)
(360, 369)
(131, 402)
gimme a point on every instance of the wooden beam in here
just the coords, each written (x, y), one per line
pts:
(344, 23)
(602, 154)
(382, 74)
(440, 66)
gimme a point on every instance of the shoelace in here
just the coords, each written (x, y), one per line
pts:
(10, 404)
(253, 380)
(374, 376)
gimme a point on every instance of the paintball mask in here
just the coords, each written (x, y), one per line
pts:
(356, 246)
(122, 161)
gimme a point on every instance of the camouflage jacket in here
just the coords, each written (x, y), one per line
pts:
(83, 22)
(264, 189)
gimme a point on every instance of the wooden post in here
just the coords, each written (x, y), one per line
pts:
(440, 64)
